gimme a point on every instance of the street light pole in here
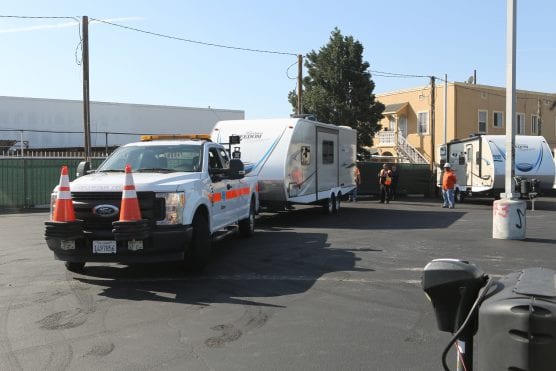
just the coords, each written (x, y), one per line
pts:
(508, 214)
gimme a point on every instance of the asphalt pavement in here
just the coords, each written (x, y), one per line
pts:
(307, 292)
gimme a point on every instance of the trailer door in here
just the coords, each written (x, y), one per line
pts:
(469, 164)
(327, 161)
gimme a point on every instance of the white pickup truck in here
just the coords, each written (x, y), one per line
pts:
(189, 192)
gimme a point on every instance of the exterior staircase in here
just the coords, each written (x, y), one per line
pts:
(411, 153)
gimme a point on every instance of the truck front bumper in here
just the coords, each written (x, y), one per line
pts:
(161, 245)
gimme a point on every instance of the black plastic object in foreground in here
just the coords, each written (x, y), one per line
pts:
(452, 286)
(518, 323)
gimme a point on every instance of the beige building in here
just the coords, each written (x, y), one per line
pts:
(410, 132)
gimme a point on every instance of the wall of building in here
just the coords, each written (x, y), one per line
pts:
(472, 98)
(419, 100)
(24, 115)
(464, 102)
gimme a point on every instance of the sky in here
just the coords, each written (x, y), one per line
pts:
(428, 37)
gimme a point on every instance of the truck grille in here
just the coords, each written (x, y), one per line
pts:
(152, 208)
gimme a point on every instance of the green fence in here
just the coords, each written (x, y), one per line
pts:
(413, 178)
(28, 182)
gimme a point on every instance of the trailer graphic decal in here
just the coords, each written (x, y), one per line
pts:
(521, 166)
(251, 167)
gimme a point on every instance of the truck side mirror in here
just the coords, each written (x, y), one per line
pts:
(83, 168)
(236, 170)
(452, 286)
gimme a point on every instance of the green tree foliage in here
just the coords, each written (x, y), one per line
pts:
(339, 89)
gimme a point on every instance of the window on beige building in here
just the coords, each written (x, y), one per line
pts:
(534, 124)
(422, 123)
(520, 129)
(391, 123)
(483, 117)
(498, 119)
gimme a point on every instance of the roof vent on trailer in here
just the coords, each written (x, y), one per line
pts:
(306, 116)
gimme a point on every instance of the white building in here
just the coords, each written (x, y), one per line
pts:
(56, 123)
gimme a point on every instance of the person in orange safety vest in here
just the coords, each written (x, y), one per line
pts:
(449, 180)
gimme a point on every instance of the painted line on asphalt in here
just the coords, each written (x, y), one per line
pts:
(239, 277)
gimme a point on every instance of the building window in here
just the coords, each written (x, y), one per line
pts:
(422, 123)
(482, 121)
(327, 152)
(498, 119)
(520, 124)
(534, 124)
(391, 123)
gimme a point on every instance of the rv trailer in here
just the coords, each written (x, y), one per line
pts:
(479, 163)
(297, 161)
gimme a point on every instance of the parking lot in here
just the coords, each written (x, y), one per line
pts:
(307, 292)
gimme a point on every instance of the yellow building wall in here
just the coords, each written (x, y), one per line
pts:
(463, 104)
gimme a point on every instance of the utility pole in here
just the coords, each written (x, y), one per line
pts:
(299, 84)
(86, 106)
(433, 97)
(539, 117)
(445, 107)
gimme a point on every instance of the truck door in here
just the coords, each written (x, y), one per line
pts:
(221, 207)
(235, 192)
(327, 160)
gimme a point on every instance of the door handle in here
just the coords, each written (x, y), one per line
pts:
(228, 186)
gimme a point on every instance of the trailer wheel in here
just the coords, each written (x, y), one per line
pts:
(336, 207)
(197, 254)
(328, 205)
(75, 267)
(247, 226)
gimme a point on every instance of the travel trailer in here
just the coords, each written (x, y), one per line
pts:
(297, 161)
(479, 163)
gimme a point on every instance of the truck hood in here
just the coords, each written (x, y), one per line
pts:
(113, 182)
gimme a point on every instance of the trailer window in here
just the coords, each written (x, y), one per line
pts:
(327, 152)
(305, 155)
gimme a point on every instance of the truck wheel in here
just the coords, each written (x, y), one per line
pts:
(197, 254)
(328, 205)
(336, 206)
(247, 226)
(76, 267)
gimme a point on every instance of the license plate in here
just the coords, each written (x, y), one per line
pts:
(104, 247)
(67, 245)
(135, 245)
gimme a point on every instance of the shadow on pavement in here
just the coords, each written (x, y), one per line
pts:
(270, 264)
(362, 218)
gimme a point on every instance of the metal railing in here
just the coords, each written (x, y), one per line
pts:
(387, 138)
(397, 141)
(414, 156)
(51, 154)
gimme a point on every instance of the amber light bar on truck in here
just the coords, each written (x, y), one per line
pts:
(147, 138)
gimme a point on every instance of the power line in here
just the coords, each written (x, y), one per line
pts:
(478, 90)
(400, 75)
(193, 41)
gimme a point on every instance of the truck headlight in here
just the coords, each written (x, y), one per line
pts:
(174, 203)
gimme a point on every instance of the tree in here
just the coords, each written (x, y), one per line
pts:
(339, 89)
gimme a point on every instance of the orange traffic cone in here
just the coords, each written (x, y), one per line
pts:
(129, 210)
(63, 208)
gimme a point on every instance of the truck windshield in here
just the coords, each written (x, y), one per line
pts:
(162, 158)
